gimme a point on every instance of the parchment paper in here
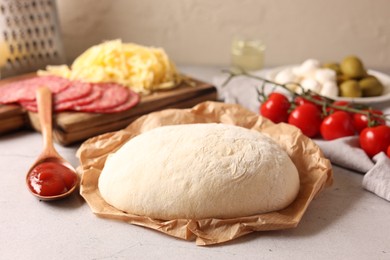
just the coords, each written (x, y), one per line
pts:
(314, 170)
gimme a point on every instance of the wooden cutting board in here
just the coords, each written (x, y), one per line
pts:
(12, 118)
(71, 127)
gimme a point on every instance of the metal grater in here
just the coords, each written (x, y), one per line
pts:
(29, 36)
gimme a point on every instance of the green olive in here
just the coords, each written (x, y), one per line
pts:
(341, 78)
(371, 86)
(350, 88)
(352, 67)
(333, 66)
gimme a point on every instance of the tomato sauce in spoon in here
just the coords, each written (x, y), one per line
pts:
(51, 179)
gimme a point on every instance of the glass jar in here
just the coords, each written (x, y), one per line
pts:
(247, 54)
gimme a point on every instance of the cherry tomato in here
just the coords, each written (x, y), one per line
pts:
(337, 125)
(275, 108)
(388, 151)
(375, 139)
(338, 103)
(360, 121)
(278, 96)
(299, 101)
(306, 117)
(341, 103)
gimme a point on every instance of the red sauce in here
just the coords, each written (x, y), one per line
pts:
(51, 179)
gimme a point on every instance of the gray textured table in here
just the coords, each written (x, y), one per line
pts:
(344, 222)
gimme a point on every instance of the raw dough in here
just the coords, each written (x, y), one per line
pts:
(198, 171)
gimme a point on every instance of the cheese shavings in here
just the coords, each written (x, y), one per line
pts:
(143, 69)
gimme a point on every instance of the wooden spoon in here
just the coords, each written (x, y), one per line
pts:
(48, 171)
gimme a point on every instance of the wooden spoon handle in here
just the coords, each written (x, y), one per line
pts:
(44, 100)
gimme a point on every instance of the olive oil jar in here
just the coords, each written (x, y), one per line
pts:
(247, 54)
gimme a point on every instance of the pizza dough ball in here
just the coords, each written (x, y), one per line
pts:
(198, 171)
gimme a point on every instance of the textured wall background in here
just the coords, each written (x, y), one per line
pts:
(200, 31)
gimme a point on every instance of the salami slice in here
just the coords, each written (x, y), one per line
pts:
(76, 90)
(25, 89)
(29, 105)
(71, 95)
(95, 94)
(131, 102)
(113, 95)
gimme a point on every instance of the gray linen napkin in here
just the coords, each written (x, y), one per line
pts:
(344, 152)
(377, 179)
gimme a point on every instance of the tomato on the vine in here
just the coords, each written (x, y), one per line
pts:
(339, 103)
(275, 108)
(375, 139)
(279, 97)
(360, 121)
(306, 117)
(337, 125)
(388, 151)
(299, 101)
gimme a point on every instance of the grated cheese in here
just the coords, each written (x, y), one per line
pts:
(143, 69)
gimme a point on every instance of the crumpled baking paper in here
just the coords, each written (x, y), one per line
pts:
(314, 170)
